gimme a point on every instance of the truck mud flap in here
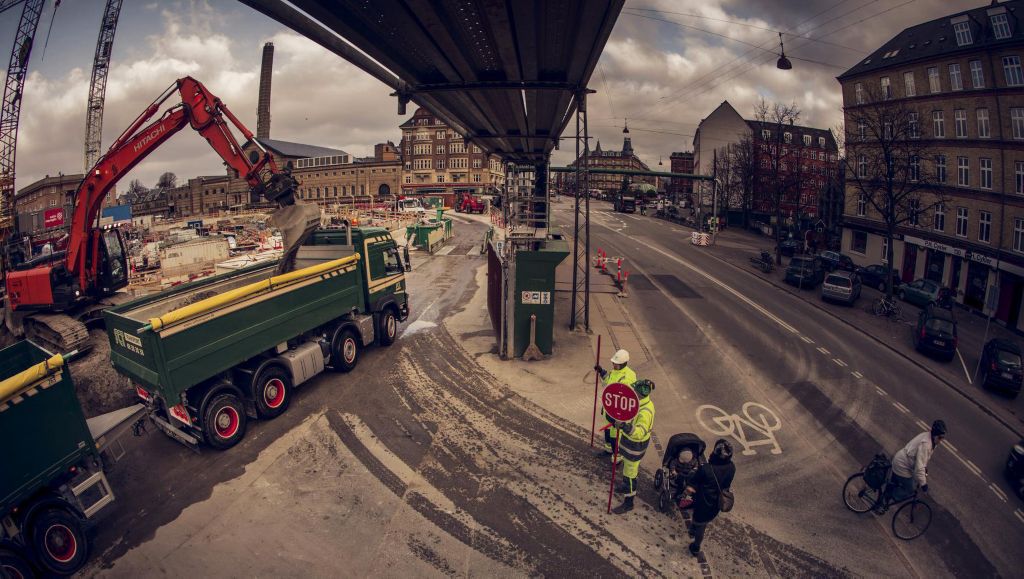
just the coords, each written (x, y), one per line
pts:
(182, 437)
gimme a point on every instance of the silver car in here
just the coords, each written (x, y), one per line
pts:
(841, 286)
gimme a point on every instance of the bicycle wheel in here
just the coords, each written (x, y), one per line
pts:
(911, 520)
(857, 495)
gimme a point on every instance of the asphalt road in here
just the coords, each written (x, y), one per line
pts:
(813, 400)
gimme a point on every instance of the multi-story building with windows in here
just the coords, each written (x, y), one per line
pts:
(608, 184)
(962, 76)
(438, 161)
(680, 188)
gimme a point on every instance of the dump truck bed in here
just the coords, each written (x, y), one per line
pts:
(41, 422)
(173, 340)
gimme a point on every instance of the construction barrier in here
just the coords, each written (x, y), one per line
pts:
(601, 262)
(701, 239)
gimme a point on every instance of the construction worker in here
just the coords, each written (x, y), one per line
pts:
(636, 435)
(621, 373)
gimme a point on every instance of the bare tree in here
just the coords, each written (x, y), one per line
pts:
(135, 190)
(746, 169)
(772, 124)
(889, 167)
(167, 180)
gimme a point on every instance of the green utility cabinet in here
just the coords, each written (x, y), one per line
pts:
(535, 293)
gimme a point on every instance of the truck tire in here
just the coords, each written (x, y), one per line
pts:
(59, 541)
(344, 350)
(14, 565)
(388, 330)
(272, 392)
(224, 421)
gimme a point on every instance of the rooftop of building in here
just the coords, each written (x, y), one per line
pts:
(798, 131)
(938, 39)
(47, 181)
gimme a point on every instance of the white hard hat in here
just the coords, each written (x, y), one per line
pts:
(620, 357)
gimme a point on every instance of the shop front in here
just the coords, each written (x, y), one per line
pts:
(934, 265)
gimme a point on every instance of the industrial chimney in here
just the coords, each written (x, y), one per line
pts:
(263, 107)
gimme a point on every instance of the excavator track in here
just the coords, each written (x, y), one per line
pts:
(57, 333)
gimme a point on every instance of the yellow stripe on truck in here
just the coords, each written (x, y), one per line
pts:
(226, 298)
(23, 380)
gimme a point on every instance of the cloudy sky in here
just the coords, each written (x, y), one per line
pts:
(668, 64)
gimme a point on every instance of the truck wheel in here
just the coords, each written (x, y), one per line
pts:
(272, 392)
(224, 421)
(344, 350)
(388, 329)
(59, 541)
(14, 565)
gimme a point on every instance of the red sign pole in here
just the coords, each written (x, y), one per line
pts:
(615, 462)
(597, 379)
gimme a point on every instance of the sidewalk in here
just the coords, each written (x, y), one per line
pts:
(735, 247)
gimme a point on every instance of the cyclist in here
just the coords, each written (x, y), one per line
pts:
(910, 465)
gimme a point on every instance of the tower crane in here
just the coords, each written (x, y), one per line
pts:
(98, 85)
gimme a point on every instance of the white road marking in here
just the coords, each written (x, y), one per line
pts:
(857, 374)
(998, 491)
(962, 364)
(445, 250)
(823, 350)
(922, 424)
(901, 408)
(970, 465)
(806, 339)
(474, 251)
(949, 444)
(1019, 515)
(839, 362)
(881, 392)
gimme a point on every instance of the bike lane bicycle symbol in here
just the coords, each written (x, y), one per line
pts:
(756, 418)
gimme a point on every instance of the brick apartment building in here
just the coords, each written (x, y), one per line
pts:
(437, 160)
(679, 188)
(962, 74)
(47, 203)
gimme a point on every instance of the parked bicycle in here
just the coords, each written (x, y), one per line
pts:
(886, 306)
(865, 491)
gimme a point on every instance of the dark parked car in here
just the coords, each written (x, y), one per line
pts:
(834, 260)
(1001, 366)
(1015, 468)
(935, 333)
(805, 271)
(874, 276)
(921, 292)
(841, 286)
(791, 247)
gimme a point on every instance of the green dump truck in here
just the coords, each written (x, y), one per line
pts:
(208, 355)
(51, 470)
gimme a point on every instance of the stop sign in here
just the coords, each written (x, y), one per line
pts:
(620, 402)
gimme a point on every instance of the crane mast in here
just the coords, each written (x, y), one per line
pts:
(14, 85)
(98, 85)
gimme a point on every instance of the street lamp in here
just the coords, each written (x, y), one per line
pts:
(783, 62)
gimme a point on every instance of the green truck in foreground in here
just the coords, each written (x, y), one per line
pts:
(51, 468)
(207, 356)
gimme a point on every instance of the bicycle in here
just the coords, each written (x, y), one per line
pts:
(909, 522)
(885, 306)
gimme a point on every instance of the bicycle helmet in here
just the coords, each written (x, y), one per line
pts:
(939, 428)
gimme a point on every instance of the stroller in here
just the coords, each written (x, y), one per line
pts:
(668, 487)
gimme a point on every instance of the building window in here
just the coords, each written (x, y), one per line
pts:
(938, 125)
(442, 135)
(440, 164)
(983, 126)
(986, 172)
(886, 89)
(963, 33)
(476, 177)
(961, 222)
(977, 76)
(1018, 235)
(408, 179)
(908, 84)
(1018, 170)
(807, 140)
(788, 137)
(440, 149)
(985, 227)
(858, 90)
(862, 205)
(956, 82)
(963, 172)
(766, 135)
(862, 166)
(859, 242)
(915, 212)
(915, 168)
(912, 127)
(476, 163)
(1017, 119)
(440, 178)
(934, 84)
(821, 142)
(939, 218)
(885, 250)
(1012, 70)
(1000, 26)
(862, 130)
(960, 123)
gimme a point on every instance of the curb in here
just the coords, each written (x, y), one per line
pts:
(969, 396)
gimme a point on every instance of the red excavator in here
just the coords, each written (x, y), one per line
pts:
(50, 298)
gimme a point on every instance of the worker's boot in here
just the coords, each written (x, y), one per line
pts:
(625, 507)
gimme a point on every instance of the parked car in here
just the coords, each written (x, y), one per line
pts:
(833, 260)
(935, 333)
(874, 276)
(1001, 366)
(841, 286)
(1015, 468)
(791, 247)
(805, 271)
(921, 292)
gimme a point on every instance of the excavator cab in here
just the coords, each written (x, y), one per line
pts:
(112, 273)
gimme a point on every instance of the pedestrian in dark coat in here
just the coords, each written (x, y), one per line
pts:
(717, 473)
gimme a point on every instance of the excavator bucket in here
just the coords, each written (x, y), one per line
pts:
(296, 223)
